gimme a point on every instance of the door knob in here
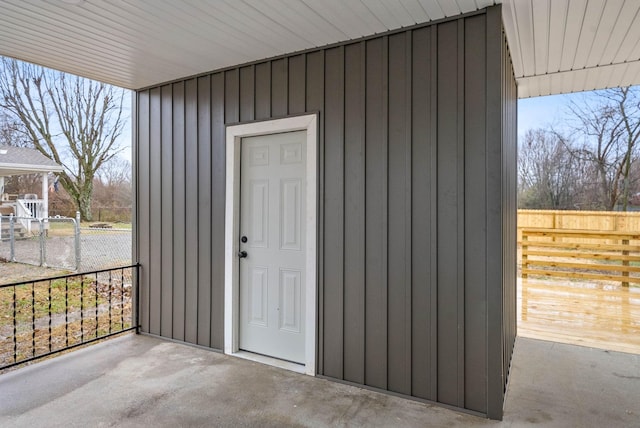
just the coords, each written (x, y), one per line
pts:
(242, 254)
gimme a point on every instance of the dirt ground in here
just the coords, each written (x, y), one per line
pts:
(16, 272)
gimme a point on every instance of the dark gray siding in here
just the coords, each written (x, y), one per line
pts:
(501, 212)
(510, 159)
(416, 249)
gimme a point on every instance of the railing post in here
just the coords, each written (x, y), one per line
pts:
(77, 240)
(524, 254)
(12, 238)
(625, 262)
(43, 250)
(135, 298)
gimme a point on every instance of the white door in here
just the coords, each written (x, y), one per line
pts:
(272, 233)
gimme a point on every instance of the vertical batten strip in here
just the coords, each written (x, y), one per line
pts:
(262, 91)
(448, 215)
(204, 210)
(315, 93)
(162, 283)
(375, 177)
(399, 282)
(460, 193)
(354, 218)
(363, 188)
(144, 127)
(179, 211)
(191, 217)
(166, 144)
(247, 93)
(279, 87)
(421, 214)
(155, 208)
(385, 204)
(433, 205)
(218, 171)
(334, 214)
(494, 248)
(408, 326)
(296, 84)
(475, 210)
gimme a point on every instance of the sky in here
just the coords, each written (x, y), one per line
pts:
(540, 112)
(125, 139)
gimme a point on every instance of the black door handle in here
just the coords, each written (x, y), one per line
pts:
(242, 254)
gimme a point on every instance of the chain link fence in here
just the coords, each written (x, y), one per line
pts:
(59, 242)
(104, 248)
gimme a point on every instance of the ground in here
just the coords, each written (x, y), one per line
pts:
(15, 272)
(141, 381)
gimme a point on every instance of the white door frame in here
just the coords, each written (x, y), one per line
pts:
(235, 133)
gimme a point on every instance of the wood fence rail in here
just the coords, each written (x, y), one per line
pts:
(584, 254)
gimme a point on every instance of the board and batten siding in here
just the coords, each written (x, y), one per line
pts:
(417, 170)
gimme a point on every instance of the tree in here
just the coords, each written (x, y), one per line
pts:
(11, 132)
(610, 131)
(549, 176)
(113, 191)
(74, 121)
(116, 172)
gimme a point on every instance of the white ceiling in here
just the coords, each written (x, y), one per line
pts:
(557, 45)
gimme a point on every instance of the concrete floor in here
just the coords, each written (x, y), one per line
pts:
(138, 381)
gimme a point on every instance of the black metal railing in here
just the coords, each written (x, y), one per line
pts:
(42, 317)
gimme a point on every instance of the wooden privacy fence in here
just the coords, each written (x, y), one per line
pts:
(583, 254)
(615, 221)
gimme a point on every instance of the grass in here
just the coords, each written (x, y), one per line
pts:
(51, 315)
(73, 294)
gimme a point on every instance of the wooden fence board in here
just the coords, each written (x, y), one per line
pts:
(586, 261)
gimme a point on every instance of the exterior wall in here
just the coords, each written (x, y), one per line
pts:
(416, 205)
(510, 210)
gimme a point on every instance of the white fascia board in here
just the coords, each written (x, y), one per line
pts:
(7, 169)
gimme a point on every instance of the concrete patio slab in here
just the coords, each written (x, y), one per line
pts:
(144, 381)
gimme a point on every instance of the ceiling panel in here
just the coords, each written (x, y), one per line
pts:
(592, 44)
(432, 9)
(622, 34)
(541, 18)
(592, 20)
(557, 24)
(556, 45)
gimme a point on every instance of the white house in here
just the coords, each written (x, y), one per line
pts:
(22, 161)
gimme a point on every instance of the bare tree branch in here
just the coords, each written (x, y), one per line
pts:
(74, 121)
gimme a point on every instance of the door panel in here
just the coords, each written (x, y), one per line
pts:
(258, 213)
(258, 296)
(290, 218)
(272, 276)
(290, 303)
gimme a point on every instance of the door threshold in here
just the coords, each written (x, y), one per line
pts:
(270, 361)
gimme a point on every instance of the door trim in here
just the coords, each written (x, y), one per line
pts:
(234, 135)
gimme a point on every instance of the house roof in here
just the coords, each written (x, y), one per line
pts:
(19, 160)
(557, 46)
